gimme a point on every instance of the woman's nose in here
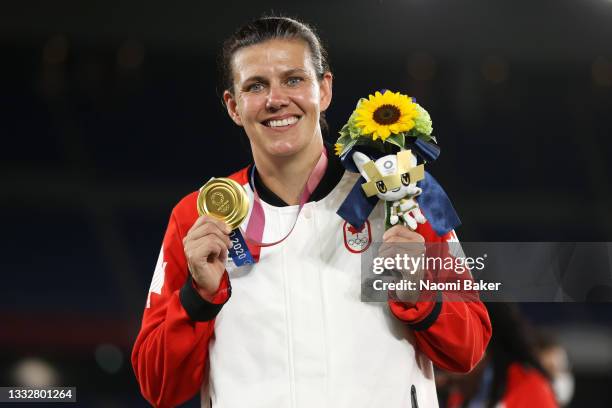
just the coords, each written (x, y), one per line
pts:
(277, 98)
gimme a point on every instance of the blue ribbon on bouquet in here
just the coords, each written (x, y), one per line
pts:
(433, 201)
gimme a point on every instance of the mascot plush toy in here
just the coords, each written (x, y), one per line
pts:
(393, 178)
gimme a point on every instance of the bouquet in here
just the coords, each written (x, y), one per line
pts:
(386, 125)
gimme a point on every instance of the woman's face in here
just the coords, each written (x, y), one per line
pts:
(277, 97)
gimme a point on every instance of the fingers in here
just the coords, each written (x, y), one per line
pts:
(400, 233)
(406, 260)
(206, 249)
(400, 240)
(223, 257)
(204, 230)
(205, 226)
(204, 219)
(410, 249)
(388, 251)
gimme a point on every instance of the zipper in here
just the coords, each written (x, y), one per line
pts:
(413, 397)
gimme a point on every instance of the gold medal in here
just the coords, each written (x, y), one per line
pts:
(225, 199)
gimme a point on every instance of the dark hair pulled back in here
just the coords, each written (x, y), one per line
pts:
(268, 28)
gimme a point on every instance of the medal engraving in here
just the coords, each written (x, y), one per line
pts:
(225, 199)
(221, 205)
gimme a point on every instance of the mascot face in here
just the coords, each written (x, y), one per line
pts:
(391, 177)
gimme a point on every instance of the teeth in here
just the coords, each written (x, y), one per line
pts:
(284, 122)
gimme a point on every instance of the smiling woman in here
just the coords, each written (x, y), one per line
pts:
(277, 96)
(277, 86)
(295, 332)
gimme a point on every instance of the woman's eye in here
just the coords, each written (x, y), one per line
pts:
(256, 87)
(293, 81)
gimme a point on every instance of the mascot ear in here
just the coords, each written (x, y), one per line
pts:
(360, 160)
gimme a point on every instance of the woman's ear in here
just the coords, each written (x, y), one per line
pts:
(325, 91)
(232, 107)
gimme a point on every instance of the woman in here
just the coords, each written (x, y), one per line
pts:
(510, 375)
(295, 332)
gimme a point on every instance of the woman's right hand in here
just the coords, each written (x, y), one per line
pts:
(206, 246)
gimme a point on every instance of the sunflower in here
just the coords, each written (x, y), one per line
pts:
(338, 148)
(384, 114)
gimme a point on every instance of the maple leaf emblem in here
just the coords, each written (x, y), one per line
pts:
(354, 230)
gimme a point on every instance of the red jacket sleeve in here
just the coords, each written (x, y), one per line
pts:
(170, 355)
(453, 334)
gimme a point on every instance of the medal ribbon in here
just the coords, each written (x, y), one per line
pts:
(240, 252)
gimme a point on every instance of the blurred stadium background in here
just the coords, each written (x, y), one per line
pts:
(109, 114)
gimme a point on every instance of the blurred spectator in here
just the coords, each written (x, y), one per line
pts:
(35, 372)
(510, 374)
(554, 360)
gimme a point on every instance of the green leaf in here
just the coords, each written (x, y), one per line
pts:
(344, 140)
(388, 224)
(345, 130)
(425, 137)
(354, 132)
(397, 139)
(422, 122)
(349, 145)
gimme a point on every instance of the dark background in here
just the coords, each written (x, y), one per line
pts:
(110, 113)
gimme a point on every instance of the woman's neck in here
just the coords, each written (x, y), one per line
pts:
(287, 176)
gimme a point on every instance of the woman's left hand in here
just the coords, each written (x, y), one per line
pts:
(400, 241)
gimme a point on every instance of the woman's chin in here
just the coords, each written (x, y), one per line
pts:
(283, 148)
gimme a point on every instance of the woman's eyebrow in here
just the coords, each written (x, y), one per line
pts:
(289, 72)
(255, 78)
(294, 71)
